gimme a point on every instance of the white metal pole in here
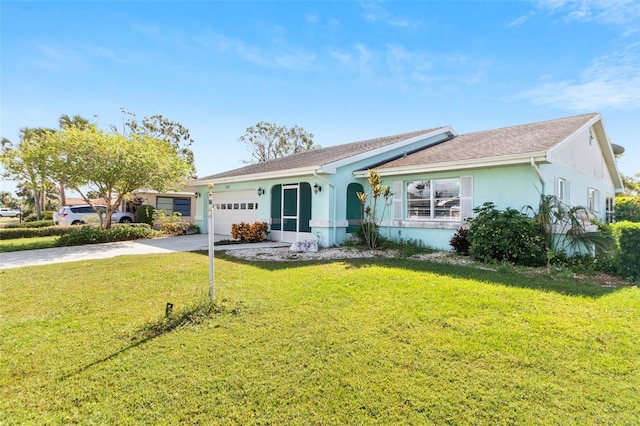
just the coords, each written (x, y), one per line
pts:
(211, 243)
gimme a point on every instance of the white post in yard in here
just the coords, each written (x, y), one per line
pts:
(211, 243)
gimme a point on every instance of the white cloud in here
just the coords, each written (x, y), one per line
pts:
(372, 12)
(312, 18)
(295, 61)
(274, 56)
(612, 81)
(606, 11)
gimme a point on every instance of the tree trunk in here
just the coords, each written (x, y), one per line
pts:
(36, 204)
(63, 197)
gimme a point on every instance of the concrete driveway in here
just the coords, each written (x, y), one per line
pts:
(194, 242)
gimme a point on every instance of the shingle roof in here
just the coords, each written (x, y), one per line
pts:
(318, 157)
(515, 140)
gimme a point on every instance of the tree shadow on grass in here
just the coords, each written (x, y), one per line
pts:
(535, 279)
(191, 316)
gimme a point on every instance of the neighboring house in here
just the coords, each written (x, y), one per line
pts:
(182, 201)
(437, 178)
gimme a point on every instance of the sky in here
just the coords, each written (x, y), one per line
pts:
(344, 71)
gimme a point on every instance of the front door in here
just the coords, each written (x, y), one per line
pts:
(291, 212)
(290, 220)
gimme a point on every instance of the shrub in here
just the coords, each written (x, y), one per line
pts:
(630, 252)
(250, 233)
(460, 242)
(36, 224)
(170, 224)
(628, 209)
(29, 216)
(48, 231)
(144, 214)
(506, 235)
(94, 235)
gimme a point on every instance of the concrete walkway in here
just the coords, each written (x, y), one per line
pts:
(195, 242)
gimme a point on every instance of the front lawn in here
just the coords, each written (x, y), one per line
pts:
(377, 341)
(19, 244)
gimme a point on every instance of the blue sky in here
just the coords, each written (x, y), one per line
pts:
(344, 71)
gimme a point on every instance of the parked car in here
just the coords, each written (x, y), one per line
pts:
(77, 215)
(8, 212)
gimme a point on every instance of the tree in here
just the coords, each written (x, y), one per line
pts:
(113, 165)
(631, 184)
(160, 128)
(66, 122)
(29, 162)
(268, 141)
(7, 200)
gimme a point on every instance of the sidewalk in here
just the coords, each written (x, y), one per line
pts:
(47, 256)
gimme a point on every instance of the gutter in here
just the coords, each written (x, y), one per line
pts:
(537, 170)
(315, 173)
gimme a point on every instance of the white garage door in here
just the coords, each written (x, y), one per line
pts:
(234, 207)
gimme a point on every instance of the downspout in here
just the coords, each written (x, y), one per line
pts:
(540, 178)
(315, 173)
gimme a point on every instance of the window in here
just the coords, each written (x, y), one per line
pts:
(433, 199)
(562, 191)
(172, 205)
(611, 208)
(592, 200)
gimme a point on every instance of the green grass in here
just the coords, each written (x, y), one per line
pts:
(384, 341)
(18, 244)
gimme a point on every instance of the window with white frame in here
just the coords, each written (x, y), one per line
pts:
(592, 200)
(562, 190)
(611, 208)
(433, 199)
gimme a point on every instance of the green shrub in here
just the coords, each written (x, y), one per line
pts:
(144, 214)
(36, 224)
(48, 231)
(29, 216)
(628, 209)
(505, 236)
(94, 235)
(630, 252)
(250, 233)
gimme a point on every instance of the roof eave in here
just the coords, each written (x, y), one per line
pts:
(302, 171)
(510, 160)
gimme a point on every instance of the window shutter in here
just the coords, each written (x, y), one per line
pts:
(466, 197)
(397, 200)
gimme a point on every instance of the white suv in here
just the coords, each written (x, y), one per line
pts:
(7, 212)
(77, 215)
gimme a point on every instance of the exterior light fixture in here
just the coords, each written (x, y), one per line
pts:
(260, 191)
(317, 188)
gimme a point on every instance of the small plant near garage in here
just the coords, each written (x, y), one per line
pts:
(249, 232)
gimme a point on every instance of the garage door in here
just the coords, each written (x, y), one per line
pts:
(234, 207)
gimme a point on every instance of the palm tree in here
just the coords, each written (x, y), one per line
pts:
(567, 229)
